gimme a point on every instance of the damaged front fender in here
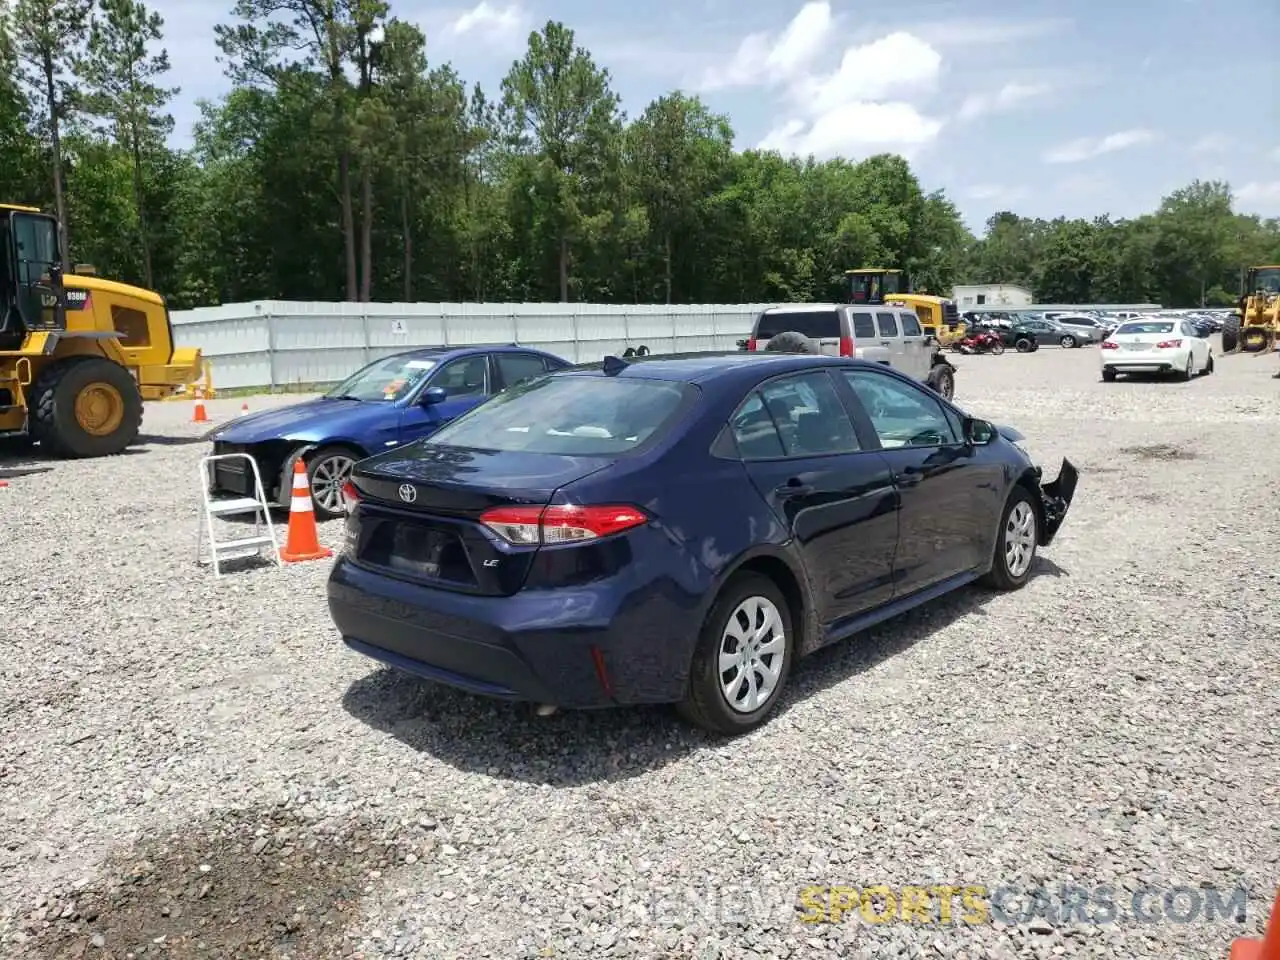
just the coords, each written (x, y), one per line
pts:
(1055, 498)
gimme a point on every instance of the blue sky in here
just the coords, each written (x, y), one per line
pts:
(1045, 107)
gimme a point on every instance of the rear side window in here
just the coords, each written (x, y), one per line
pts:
(571, 415)
(815, 324)
(864, 328)
(888, 324)
(910, 325)
(519, 366)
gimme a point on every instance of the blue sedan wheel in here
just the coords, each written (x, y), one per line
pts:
(327, 471)
(743, 659)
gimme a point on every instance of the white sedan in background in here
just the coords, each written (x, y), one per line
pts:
(1156, 345)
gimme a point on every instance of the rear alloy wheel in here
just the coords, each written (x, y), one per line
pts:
(1068, 341)
(327, 470)
(743, 658)
(1016, 542)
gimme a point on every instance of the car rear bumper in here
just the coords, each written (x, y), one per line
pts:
(583, 647)
(1144, 361)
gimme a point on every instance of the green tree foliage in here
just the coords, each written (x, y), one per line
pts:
(343, 164)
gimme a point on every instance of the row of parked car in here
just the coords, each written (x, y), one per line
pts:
(1026, 330)
(674, 529)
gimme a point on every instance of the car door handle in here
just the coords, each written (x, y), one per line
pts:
(793, 488)
(908, 477)
(886, 343)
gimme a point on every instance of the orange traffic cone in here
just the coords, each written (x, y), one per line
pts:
(303, 542)
(244, 408)
(199, 415)
(1268, 948)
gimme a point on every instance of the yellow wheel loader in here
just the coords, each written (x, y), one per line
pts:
(78, 354)
(1255, 324)
(938, 315)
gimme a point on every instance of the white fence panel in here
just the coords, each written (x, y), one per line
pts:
(274, 343)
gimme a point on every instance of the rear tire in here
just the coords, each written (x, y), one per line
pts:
(1024, 345)
(1108, 375)
(1068, 341)
(997, 348)
(1208, 367)
(943, 380)
(1016, 543)
(707, 703)
(85, 407)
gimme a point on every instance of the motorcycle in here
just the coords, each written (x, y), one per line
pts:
(981, 341)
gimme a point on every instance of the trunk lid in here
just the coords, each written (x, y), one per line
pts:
(419, 510)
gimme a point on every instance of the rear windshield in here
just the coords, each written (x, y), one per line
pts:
(1146, 326)
(815, 324)
(573, 415)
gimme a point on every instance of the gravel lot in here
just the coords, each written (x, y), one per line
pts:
(198, 768)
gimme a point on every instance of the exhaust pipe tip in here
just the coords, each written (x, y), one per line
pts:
(545, 710)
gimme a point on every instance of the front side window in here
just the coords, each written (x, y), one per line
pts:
(901, 414)
(465, 377)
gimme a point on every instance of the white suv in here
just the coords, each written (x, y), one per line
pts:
(885, 333)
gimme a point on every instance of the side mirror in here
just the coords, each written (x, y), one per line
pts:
(978, 432)
(433, 395)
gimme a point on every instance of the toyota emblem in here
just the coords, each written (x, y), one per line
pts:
(408, 493)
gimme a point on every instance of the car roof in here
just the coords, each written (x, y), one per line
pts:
(466, 348)
(716, 366)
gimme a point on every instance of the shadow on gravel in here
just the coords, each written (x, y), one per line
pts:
(241, 884)
(507, 741)
(157, 440)
(14, 474)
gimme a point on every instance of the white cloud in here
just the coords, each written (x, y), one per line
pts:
(1086, 148)
(1261, 197)
(1006, 98)
(859, 107)
(490, 20)
(1212, 143)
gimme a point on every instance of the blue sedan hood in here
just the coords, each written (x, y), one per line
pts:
(311, 421)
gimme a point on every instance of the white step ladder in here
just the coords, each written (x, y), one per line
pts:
(215, 507)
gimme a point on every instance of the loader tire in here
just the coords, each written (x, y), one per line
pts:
(1230, 334)
(85, 407)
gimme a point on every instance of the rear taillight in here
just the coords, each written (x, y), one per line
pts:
(846, 346)
(1109, 345)
(1168, 344)
(350, 495)
(560, 523)
(751, 343)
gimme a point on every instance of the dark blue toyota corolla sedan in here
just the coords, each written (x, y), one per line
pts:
(679, 529)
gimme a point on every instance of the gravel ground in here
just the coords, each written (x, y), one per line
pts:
(198, 768)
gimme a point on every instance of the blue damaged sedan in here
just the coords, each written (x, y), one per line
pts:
(679, 529)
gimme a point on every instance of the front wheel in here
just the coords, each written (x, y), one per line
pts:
(1024, 345)
(743, 658)
(1016, 541)
(85, 406)
(327, 471)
